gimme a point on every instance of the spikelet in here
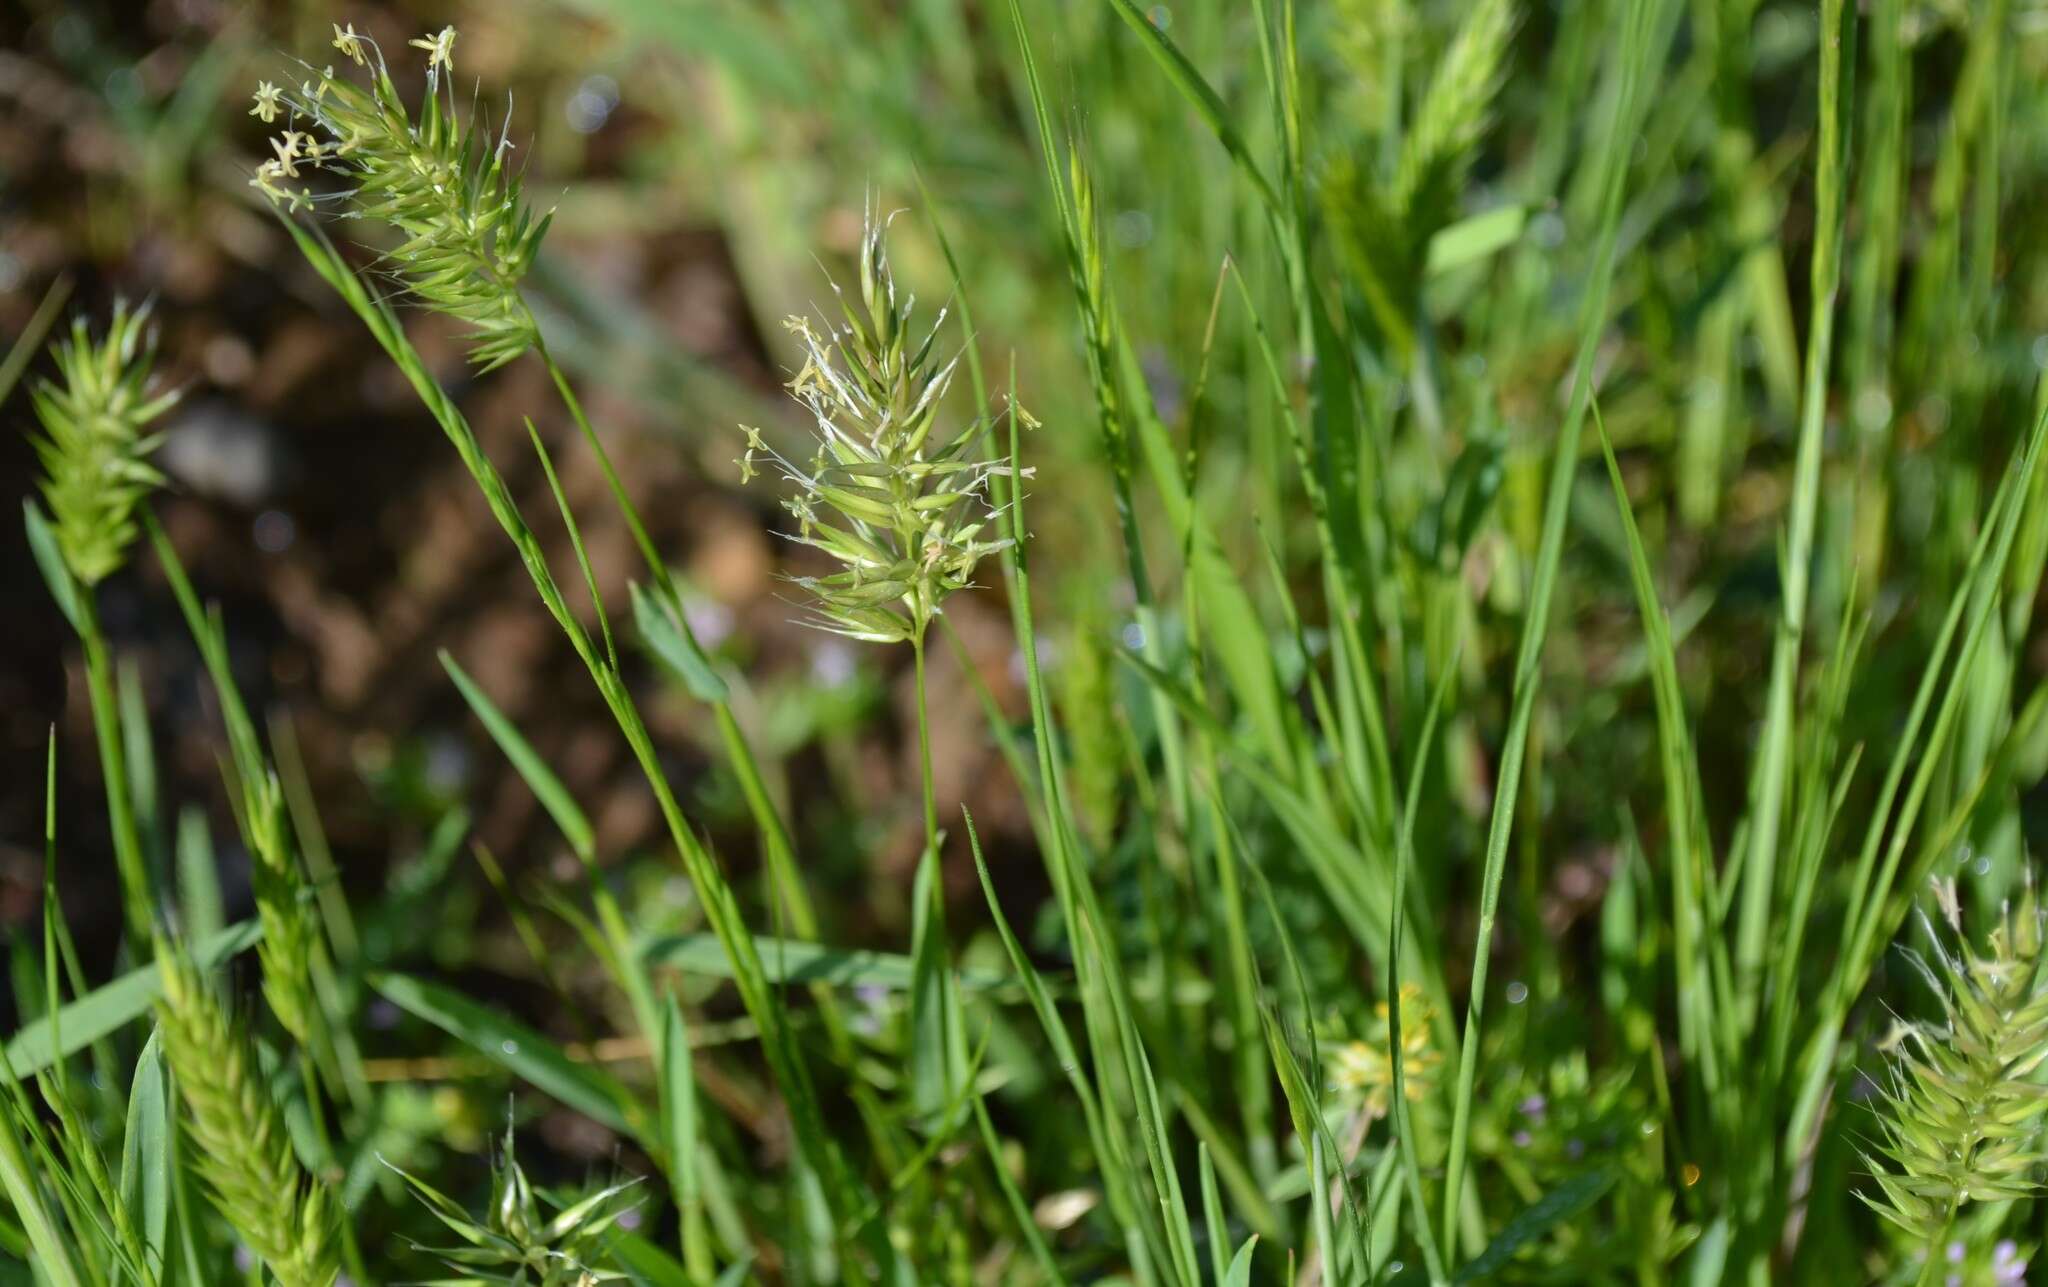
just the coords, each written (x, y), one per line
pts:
(239, 1144)
(1961, 1120)
(94, 444)
(442, 181)
(1452, 116)
(515, 1242)
(901, 507)
(279, 887)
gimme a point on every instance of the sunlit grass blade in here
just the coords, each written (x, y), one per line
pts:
(1636, 54)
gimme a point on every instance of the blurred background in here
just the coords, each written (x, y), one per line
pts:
(709, 163)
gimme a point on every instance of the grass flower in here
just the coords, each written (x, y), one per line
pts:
(269, 102)
(440, 49)
(240, 1146)
(282, 906)
(1960, 1121)
(352, 46)
(441, 182)
(516, 1242)
(901, 507)
(95, 443)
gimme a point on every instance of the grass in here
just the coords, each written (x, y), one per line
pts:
(1439, 884)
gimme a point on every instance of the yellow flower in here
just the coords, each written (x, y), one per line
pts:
(269, 102)
(1363, 1071)
(440, 49)
(266, 182)
(351, 44)
(287, 148)
(746, 462)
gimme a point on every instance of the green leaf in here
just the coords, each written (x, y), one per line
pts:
(146, 1152)
(1240, 1273)
(646, 1263)
(105, 1009)
(23, 350)
(21, 1181)
(199, 897)
(540, 779)
(736, 1275)
(661, 626)
(792, 961)
(1472, 239)
(1208, 104)
(42, 543)
(938, 1038)
(521, 1051)
(684, 1132)
(1562, 1203)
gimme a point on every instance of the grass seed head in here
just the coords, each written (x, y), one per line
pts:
(445, 183)
(1960, 1121)
(282, 906)
(517, 1241)
(94, 445)
(240, 1145)
(900, 505)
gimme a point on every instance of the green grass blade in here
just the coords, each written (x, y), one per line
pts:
(549, 789)
(1567, 1201)
(1680, 770)
(1205, 101)
(109, 1008)
(1760, 884)
(146, 1153)
(793, 961)
(680, 1113)
(525, 1053)
(1637, 52)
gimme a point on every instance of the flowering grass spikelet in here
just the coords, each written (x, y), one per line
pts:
(900, 506)
(94, 445)
(516, 1241)
(350, 44)
(1961, 1119)
(240, 1145)
(441, 181)
(440, 49)
(269, 102)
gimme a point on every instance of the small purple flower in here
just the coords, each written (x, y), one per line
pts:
(1533, 1107)
(1956, 1252)
(2007, 1268)
(1523, 1139)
